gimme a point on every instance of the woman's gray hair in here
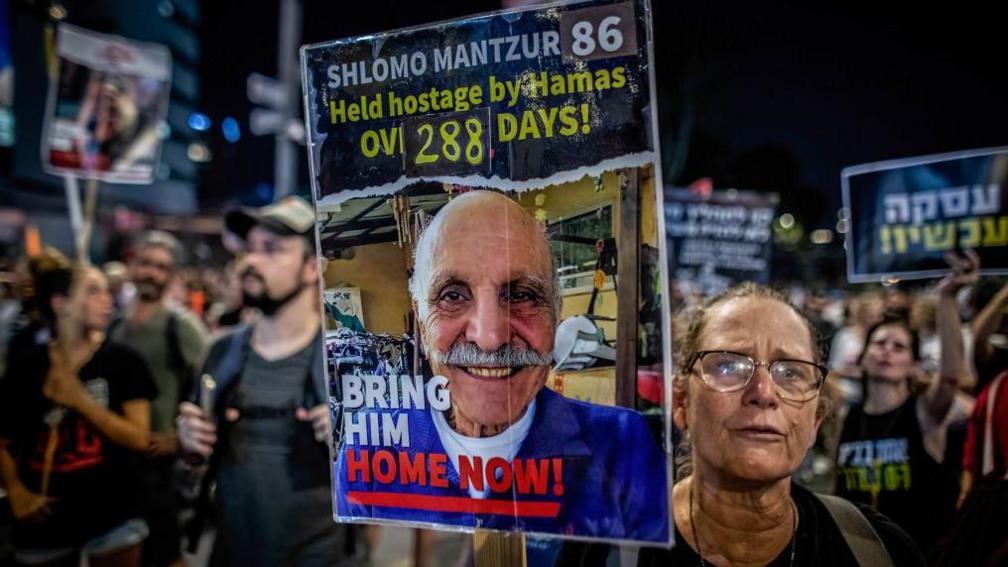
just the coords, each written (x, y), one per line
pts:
(688, 330)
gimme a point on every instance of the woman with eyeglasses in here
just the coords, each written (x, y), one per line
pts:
(748, 397)
(893, 446)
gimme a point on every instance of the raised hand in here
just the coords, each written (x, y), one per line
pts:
(965, 271)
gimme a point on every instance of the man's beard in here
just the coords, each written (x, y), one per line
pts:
(269, 306)
(149, 289)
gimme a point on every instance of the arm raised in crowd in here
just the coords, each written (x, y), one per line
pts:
(986, 322)
(952, 367)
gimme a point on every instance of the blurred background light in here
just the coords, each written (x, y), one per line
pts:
(199, 121)
(198, 152)
(821, 236)
(786, 221)
(230, 129)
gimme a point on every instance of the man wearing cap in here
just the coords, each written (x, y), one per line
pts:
(272, 420)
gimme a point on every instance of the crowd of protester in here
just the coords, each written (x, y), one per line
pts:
(98, 439)
(101, 455)
(95, 478)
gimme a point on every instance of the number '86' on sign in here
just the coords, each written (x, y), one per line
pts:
(599, 32)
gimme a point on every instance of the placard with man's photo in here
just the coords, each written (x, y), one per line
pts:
(106, 107)
(509, 374)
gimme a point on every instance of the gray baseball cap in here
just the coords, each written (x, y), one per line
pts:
(290, 215)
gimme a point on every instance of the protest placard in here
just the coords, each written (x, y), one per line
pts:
(719, 239)
(906, 214)
(106, 107)
(460, 171)
(6, 79)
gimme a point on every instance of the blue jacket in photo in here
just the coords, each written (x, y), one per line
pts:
(614, 476)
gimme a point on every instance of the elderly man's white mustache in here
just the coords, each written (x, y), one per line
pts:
(507, 356)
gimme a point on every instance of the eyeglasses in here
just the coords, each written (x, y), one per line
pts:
(726, 371)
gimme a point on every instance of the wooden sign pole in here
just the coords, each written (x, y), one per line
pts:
(498, 549)
(627, 295)
(74, 209)
(82, 222)
(90, 203)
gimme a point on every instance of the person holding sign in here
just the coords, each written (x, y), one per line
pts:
(72, 415)
(748, 398)
(483, 443)
(892, 445)
(266, 432)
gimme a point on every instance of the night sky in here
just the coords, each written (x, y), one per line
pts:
(756, 97)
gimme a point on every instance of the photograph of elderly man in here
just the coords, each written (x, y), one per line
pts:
(487, 303)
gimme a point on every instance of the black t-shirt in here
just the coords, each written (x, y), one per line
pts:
(273, 491)
(818, 542)
(26, 339)
(91, 477)
(882, 463)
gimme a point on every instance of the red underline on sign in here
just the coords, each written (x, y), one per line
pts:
(456, 504)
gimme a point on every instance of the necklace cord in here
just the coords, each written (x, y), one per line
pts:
(696, 538)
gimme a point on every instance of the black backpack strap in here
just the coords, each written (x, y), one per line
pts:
(176, 358)
(862, 539)
(224, 364)
(316, 389)
(113, 326)
(225, 369)
(230, 369)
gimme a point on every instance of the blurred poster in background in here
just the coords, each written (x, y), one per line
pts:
(106, 107)
(717, 240)
(6, 79)
(906, 214)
